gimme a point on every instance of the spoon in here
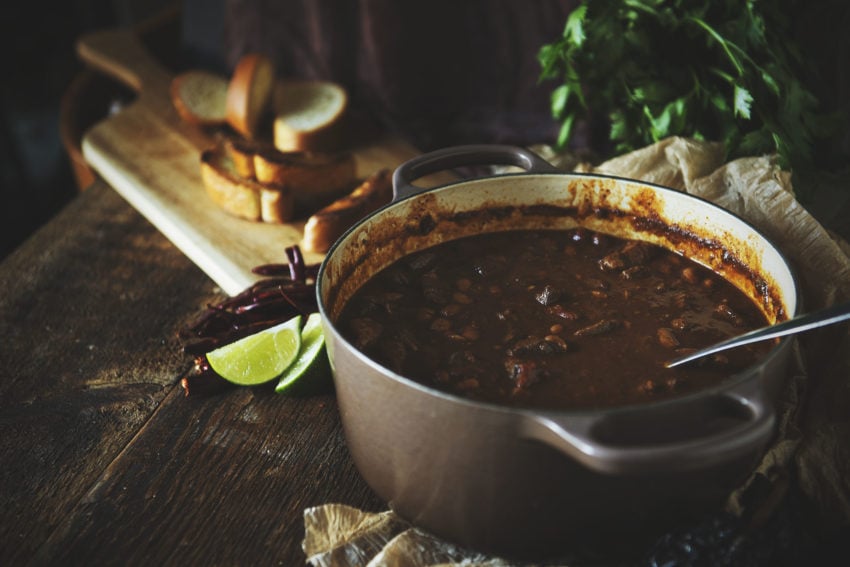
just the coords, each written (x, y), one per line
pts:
(828, 316)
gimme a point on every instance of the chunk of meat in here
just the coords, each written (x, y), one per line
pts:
(726, 312)
(539, 345)
(598, 328)
(365, 331)
(524, 373)
(549, 295)
(633, 253)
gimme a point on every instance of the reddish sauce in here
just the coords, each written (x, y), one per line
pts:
(551, 319)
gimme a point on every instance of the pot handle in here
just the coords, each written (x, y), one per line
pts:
(458, 156)
(661, 438)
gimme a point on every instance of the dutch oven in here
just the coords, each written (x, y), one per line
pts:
(528, 482)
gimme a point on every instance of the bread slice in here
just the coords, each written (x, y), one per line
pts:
(315, 178)
(249, 93)
(325, 226)
(242, 152)
(309, 115)
(200, 97)
(242, 197)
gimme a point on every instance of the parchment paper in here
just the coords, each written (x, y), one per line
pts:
(810, 456)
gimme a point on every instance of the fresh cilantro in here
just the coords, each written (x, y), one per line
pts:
(726, 70)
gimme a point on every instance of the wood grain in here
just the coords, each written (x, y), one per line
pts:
(151, 158)
(227, 481)
(88, 353)
(104, 461)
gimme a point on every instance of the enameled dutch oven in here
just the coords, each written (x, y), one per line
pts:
(532, 483)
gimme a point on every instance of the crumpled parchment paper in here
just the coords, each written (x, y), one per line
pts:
(812, 447)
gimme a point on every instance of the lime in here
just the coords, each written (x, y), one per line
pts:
(311, 369)
(260, 357)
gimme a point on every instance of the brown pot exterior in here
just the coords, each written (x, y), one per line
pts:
(530, 483)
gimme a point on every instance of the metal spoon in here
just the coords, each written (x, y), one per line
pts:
(828, 316)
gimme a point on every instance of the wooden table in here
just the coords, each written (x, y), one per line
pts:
(104, 461)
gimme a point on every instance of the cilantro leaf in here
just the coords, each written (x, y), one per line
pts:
(743, 100)
(658, 68)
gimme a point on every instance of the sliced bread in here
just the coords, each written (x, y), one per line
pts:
(239, 196)
(249, 93)
(315, 178)
(242, 152)
(308, 115)
(325, 226)
(200, 97)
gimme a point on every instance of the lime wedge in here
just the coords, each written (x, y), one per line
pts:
(260, 357)
(311, 370)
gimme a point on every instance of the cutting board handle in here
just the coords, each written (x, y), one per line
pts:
(120, 54)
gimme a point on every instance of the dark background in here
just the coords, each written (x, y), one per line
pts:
(414, 63)
(40, 58)
(442, 71)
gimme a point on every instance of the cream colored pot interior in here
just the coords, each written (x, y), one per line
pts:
(628, 209)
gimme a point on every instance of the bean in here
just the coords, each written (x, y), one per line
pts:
(470, 333)
(425, 314)
(558, 342)
(451, 309)
(667, 338)
(461, 298)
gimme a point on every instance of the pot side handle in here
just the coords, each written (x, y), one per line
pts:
(668, 438)
(459, 156)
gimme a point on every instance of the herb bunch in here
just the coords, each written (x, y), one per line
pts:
(726, 71)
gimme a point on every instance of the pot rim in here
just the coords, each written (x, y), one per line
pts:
(728, 384)
(585, 434)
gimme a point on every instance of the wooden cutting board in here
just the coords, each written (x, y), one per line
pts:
(152, 158)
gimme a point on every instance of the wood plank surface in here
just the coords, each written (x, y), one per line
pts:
(104, 461)
(150, 156)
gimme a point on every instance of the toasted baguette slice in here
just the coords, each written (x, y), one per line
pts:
(239, 196)
(315, 178)
(325, 226)
(249, 93)
(242, 153)
(200, 97)
(309, 115)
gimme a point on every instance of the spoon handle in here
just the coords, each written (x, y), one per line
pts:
(799, 324)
